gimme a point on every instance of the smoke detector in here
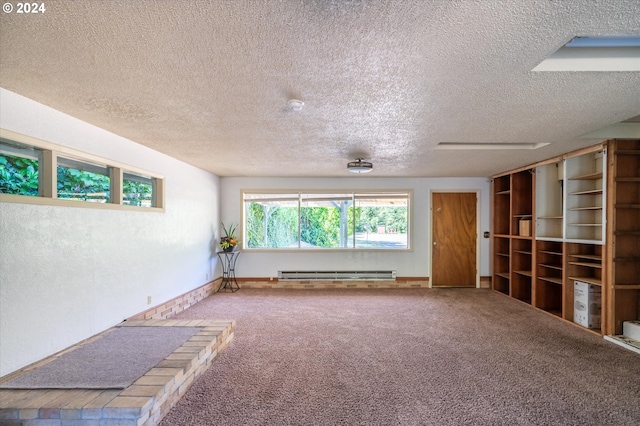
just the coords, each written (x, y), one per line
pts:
(295, 104)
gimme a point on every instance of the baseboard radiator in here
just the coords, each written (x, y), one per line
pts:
(336, 275)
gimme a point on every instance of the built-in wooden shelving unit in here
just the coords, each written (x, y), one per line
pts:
(623, 232)
(584, 213)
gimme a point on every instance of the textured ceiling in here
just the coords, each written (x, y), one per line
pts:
(207, 81)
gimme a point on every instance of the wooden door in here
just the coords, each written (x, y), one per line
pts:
(454, 239)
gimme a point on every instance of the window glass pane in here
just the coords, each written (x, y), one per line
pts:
(18, 169)
(137, 190)
(382, 221)
(324, 221)
(82, 181)
(327, 220)
(271, 222)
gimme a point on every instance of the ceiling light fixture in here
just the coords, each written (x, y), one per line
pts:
(359, 166)
(481, 145)
(295, 104)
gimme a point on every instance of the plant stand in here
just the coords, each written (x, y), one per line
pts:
(228, 261)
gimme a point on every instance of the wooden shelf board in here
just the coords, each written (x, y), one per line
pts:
(627, 232)
(503, 254)
(626, 287)
(587, 264)
(553, 280)
(501, 236)
(590, 280)
(550, 217)
(626, 259)
(522, 252)
(503, 275)
(588, 176)
(585, 224)
(507, 192)
(525, 273)
(575, 209)
(583, 241)
(588, 192)
(558, 267)
(522, 237)
(587, 256)
(549, 238)
(555, 253)
(522, 215)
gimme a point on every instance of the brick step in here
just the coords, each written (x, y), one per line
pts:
(144, 403)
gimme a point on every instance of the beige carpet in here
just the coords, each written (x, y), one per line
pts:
(113, 361)
(405, 357)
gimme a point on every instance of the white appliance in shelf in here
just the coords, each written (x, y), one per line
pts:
(587, 304)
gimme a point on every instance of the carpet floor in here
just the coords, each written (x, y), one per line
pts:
(113, 361)
(405, 357)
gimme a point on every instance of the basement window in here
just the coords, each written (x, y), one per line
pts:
(138, 190)
(19, 166)
(82, 181)
(327, 220)
(38, 172)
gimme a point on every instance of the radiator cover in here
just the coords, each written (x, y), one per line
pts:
(336, 275)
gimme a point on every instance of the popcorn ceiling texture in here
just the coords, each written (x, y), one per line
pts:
(207, 81)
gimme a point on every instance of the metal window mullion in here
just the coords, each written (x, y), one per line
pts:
(157, 193)
(47, 165)
(353, 203)
(299, 221)
(115, 185)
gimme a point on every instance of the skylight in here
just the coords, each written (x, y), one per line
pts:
(490, 145)
(609, 53)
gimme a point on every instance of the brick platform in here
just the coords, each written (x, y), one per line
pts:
(144, 403)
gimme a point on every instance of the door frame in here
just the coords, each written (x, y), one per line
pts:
(474, 191)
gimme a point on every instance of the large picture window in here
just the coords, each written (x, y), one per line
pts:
(331, 220)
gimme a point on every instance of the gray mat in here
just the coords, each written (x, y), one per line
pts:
(114, 361)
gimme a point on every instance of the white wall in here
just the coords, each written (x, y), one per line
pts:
(415, 263)
(68, 273)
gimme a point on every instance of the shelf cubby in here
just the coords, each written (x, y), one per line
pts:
(584, 197)
(522, 272)
(549, 198)
(549, 285)
(501, 265)
(501, 205)
(584, 263)
(521, 202)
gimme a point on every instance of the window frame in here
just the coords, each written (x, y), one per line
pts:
(281, 194)
(47, 176)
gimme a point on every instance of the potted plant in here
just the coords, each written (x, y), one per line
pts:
(229, 241)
